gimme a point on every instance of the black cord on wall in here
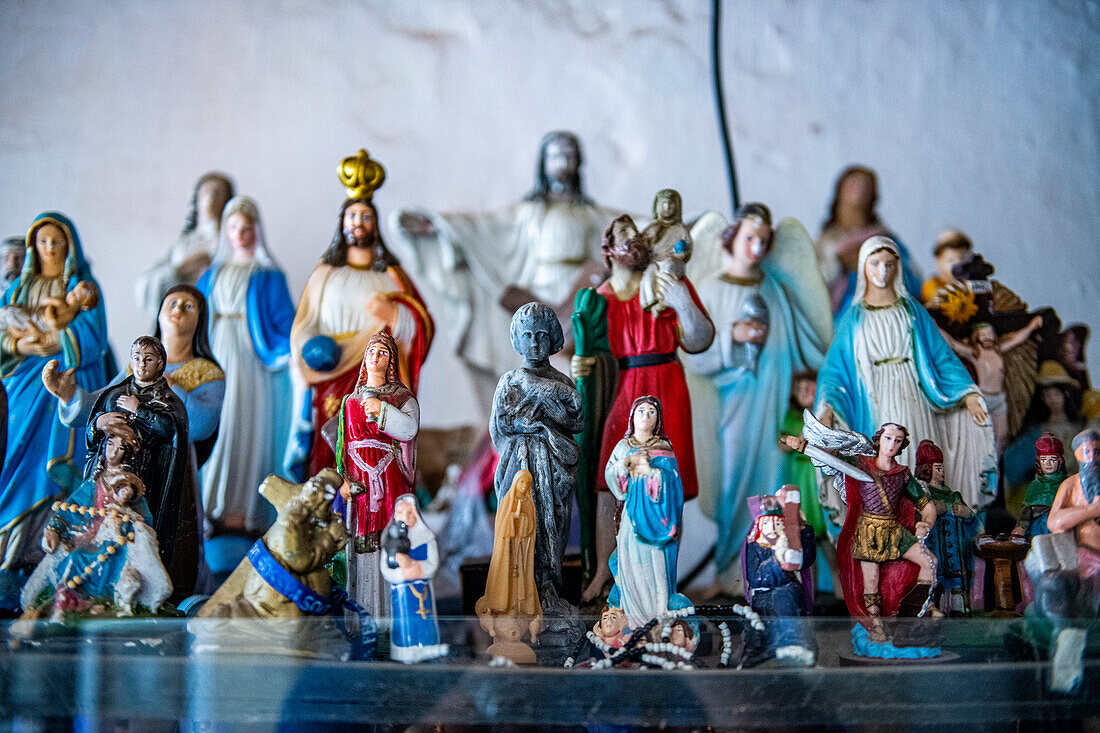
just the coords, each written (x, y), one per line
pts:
(720, 102)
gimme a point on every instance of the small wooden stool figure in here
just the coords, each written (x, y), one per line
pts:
(510, 605)
(1003, 554)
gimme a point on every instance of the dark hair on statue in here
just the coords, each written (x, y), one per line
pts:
(755, 210)
(151, 342)
(659, 427)
(192, 220)
(877, 437)
(337, 252)
(871, 214)
(573, 187)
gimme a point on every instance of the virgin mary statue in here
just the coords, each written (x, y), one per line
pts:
(889, 363)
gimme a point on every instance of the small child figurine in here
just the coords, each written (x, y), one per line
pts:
(670, 247)
(52, 313)
(409, 561)
(952, 537)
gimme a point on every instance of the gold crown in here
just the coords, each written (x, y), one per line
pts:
(361, 175)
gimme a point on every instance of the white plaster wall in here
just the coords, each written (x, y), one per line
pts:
(981, 115)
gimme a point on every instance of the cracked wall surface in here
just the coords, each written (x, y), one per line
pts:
(978, 115)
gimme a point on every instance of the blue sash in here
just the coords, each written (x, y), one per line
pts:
(310, 601)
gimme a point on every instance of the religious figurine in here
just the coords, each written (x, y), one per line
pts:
(643, 345)
(376, 454)
(1050, 473)
(973, 307)
(251, 311)
(1065, 570)
(890, 363)
(952, 538)
(778, 554)
(191, 371)
(642, 472)
(776, 267)
(284, 581)
(608, 634)
(952, 247)
(483, 266)
(408, 562)
(885, 568)
(984, 351)
(192, 253)
(12, 251)
(669, 243)
(145, 401)
(536, 411)
(1072, 349)
(101, 549)
(510, 607)
(356, 291)
(852, 220)
(42, 452)
(1055, 409)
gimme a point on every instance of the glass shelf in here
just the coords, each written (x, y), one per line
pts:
(151, 669)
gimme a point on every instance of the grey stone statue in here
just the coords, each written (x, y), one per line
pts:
(536, 411)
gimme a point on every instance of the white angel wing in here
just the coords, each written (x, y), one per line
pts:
(844, 442)
(706, 256)
(793, 262)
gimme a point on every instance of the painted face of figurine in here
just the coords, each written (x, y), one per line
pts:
(562, 160)
(51, 246)
(11, 262)
(179, 315)
(985, 337)
(937, 474)
(645, 419)
(678, 636)
(242, 234)
(405, 511)
(857, 189)
(750, 244)
(1086, 452)
(359, 225)
(881, 269)
(212, 198)
(890, 442)
(667, 208)
(1048, 464)
(770, 529)
(124, 494)
(948, 258)
(114, 451)
(378, 359)
(1054, 399)
(805, 390)
(146, 364)
(612, 622)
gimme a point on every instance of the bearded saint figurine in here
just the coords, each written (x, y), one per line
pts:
(483, 266)
(358, 290)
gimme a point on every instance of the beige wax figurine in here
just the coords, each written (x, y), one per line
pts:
(510, 606)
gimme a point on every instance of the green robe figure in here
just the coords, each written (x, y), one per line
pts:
(1050, 472)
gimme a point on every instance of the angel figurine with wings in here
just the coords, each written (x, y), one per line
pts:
(771, 314)
(885, 568)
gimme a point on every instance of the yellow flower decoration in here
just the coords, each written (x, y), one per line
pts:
(958, 305)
